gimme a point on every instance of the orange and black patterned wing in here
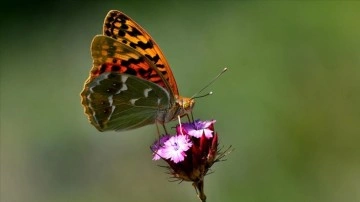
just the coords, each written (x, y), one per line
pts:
(119, 26)
(109, 55)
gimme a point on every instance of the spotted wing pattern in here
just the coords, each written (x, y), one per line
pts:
(122, 102)
(110, 55)
(119, 26)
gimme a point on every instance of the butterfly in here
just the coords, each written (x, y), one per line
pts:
(130, 83)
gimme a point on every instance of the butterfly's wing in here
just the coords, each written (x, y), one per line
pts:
(119, 26)
(111, 55)
(117, 101)
(115, 97)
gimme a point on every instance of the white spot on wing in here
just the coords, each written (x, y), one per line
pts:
(97, 82)
(94, 83)
(132, 101)
(158, 101)
(112, 111)
(106, 75)
(91, 89)
(124, 78)
(110, 98)
(124, 87)
(95, 119)
(146, 92)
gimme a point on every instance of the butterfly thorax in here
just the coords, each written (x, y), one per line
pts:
(182, 106)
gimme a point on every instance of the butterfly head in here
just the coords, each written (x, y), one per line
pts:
(185, 104)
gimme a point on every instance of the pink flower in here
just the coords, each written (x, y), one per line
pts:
(191, 152)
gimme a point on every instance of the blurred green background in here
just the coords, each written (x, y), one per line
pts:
(289, 104)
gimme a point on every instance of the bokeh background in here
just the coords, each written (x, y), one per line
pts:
(289, 104)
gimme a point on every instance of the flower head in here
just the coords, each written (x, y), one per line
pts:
(191, 152)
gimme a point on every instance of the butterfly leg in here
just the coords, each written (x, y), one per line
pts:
(158, 130)
(165, 128)
(190, 119)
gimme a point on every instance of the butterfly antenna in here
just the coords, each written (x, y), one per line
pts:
(200, 96)
(211, 82)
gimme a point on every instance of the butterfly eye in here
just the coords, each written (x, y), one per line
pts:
(191, 104)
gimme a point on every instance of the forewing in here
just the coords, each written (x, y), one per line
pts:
(119, 26)
(115, 101)
(110, 55)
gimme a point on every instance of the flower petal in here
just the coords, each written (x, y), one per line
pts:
(175, 147)
(157, 147)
